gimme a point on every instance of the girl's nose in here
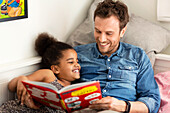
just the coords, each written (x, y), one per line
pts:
(77, 65)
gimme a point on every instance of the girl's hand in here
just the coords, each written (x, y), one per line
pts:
(23, 95)
(28, 101)
(21, 91)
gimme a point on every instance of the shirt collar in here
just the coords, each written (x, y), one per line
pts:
(120, 50)
(97, 54)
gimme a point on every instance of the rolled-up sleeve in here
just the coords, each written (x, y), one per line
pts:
(147, 88)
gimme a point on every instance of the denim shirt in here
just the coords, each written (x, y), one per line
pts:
(126, 75)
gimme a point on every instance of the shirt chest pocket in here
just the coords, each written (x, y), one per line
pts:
(125, 73)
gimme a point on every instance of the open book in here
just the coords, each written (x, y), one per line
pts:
(70, 98)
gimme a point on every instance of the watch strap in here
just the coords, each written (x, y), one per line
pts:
(128, 106)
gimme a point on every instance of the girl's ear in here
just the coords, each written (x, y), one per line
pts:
(55, 69)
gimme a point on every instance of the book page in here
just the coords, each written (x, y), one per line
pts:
(80, 96)
(44, 93)
(43, 84)
(73, 86)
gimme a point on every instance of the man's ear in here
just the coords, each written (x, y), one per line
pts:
(123, 31)
(55, 69)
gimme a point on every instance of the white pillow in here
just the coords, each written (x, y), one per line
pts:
(147, 35)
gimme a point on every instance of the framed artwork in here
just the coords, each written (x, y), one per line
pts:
(13, 10)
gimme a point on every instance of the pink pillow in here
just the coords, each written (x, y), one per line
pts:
(163, 80)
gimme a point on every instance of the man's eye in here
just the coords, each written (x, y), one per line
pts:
(109, 33)
(98, 31)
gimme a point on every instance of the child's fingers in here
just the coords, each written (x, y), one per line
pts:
(30, 103)
(19, 90)
(23, 97)
(19, 93)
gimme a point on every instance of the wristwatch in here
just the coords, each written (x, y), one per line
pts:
(128, 106)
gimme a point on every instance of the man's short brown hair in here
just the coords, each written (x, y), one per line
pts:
(109, 8)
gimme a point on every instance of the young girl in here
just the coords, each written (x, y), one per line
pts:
(62, 61)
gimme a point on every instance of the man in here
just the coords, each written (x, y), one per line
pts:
(124, 71)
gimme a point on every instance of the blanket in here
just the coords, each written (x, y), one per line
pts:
(163, 80)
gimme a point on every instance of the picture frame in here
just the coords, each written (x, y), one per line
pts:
(13, 10)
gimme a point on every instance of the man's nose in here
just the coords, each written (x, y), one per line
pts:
(102, 37)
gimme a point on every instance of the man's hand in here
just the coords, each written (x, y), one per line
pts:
(109, 103)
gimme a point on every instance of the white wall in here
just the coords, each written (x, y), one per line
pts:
(58, 17)
(148, 10)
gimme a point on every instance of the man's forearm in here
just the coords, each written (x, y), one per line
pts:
(111, 103)
(138, 107)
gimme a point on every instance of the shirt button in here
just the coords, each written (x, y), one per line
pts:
(109, 67)
(110, 76)
(108, 60)
(104, 91)
(130, 67)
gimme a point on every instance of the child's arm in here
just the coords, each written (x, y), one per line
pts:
(43, 75)
(12, 85)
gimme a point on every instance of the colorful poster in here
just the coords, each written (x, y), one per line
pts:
(13, 9)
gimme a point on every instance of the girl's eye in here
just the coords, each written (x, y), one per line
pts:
(71, 62)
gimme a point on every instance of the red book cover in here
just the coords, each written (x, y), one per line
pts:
(70, 98)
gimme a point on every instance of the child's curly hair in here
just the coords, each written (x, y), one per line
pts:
(50, 50)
